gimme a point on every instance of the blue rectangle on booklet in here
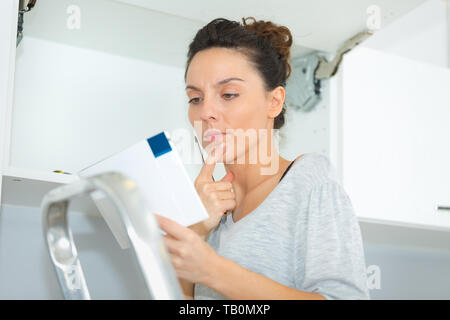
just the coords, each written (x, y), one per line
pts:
(159, 144)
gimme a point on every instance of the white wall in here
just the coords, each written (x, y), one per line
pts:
(25, 267)
(74, 106)
(306, 132)
(409, 273)
(111, 273)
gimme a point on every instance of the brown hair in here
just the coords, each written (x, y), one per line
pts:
(266, 45)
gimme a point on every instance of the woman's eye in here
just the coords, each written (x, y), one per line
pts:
(228, 96)
(231, 94)
(192, 100)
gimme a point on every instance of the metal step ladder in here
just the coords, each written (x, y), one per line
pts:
(138, 229)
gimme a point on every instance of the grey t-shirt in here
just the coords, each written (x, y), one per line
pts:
(304, 235)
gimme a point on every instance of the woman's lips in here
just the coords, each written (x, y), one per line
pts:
(212, 135)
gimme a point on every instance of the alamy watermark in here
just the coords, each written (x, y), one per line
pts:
(242, 146)
(73, 21)
(373, 277)
(73, 277)
(373, 21)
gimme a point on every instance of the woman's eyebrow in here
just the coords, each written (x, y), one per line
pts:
(221, 82)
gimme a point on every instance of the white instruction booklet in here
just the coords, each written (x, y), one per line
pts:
(156, 168)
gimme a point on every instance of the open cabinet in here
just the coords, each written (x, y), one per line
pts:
(122, 74)
(91, 77)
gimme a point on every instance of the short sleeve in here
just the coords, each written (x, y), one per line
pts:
(329, 250)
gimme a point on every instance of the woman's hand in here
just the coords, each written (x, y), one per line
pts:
(192, 258)
(217, 197)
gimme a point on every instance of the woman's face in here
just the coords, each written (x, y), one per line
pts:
(216, 102)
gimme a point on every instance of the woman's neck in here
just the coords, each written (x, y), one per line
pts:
(248, 176)
(251, 186)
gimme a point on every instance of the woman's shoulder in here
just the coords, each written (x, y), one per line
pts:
(313, 168)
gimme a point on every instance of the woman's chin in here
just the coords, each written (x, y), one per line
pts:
(231, 159)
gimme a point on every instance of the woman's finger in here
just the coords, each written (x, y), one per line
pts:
(171, 244)
(229, 204)
(222, 186)
(225, 195)
(173, 228)
(176, 261)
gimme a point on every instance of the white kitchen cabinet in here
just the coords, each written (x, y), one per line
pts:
(69, 96)
(396, 138)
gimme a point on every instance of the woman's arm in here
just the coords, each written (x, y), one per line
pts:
(188, 289)
(237, 283)
(197, 262)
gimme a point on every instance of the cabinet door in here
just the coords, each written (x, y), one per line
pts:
(396, 138)
(8, 31)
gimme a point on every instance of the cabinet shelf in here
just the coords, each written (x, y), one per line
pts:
(26, 188)
(18, 174)
(414, 237)
(403, 224)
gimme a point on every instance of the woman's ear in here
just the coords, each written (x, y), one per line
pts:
(277, 96)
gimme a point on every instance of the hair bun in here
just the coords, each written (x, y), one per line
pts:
(279, 36)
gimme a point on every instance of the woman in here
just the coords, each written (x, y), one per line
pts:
(289, 234)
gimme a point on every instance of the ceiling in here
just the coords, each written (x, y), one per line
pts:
(320, 24)
(161, 31)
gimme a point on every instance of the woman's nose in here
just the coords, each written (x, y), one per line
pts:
(208, 110)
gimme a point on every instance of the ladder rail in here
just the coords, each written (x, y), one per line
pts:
(138, 222)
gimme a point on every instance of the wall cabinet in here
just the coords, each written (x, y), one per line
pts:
(396, 138)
